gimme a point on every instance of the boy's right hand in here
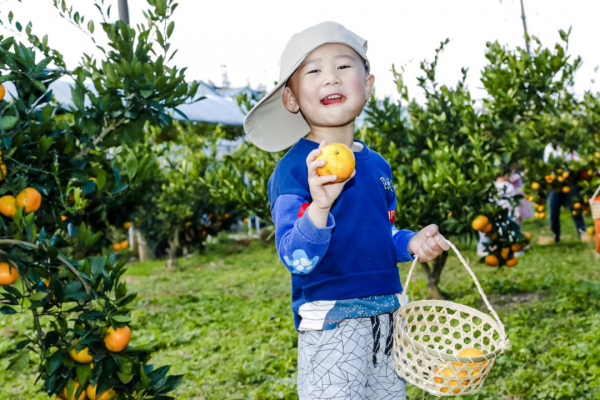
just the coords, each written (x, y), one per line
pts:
(323, 189)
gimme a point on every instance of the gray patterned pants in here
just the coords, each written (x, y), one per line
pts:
(352, 361)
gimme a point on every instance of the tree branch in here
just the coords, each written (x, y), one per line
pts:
(101, 137)
(36, 317)
(60, 258)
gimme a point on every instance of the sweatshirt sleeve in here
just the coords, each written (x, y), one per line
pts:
(300, 244)
(401, 237)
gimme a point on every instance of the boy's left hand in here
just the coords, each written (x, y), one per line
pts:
(428, 243)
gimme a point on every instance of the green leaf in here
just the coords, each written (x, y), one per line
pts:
(121, 318)
(143, 348)
(78, 96)
(53, 363)
(170, 383)
(8, 122)
(83, 371)
(124, 378)
(100, 178)
(91, 26)
(161, 8)
(170, 28)
(6, 310)
(38, 296)
(91, 315)
(98, 267)
(144, 378)
(131, 165)
(19, 362)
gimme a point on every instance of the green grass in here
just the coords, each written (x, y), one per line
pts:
(224, 320)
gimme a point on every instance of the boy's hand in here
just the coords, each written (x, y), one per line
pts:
(428, 243)
(323, 190)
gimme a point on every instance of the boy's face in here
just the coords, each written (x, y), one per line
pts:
(332, 68)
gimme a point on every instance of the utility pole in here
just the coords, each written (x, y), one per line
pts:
(524, 28)
(124, 11)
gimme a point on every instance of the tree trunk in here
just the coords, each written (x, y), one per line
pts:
(172, 263)
(433, 276)
(145, 253)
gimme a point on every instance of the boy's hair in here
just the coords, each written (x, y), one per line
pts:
(365, 64)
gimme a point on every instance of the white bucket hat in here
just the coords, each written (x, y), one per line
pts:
(271, 126)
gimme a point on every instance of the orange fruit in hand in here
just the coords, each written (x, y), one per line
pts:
(339, 161)
(512, 262)
(8, 274)
(479, 222)
(492, 260)
(81, 357)
(488, 227)
(8, 205)
(117, 340)
(64, 395)
(109, 394)
(30, 199)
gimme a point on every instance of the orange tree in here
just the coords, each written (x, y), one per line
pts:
(531, 98)
(241, 178)
(183, 215)
(443, 161)
(55, 160)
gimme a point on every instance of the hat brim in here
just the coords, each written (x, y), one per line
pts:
(284, 127)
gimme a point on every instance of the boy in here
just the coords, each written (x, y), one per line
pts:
(337, 239)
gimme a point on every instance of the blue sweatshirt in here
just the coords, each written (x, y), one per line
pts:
(352, 261)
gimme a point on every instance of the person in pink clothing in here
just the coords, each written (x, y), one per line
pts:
(525, 209)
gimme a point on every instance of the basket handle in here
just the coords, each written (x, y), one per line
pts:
(595, 194)
(460, 257)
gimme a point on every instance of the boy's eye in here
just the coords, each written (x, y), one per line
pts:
(309, 72)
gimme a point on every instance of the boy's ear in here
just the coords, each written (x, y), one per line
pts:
(289, 101)
(370, 81)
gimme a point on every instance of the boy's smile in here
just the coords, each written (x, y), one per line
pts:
(333, 99)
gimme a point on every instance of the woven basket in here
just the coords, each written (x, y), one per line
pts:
(595, 204)
(429, 334)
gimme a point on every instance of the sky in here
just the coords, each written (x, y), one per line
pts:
(248, 37)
